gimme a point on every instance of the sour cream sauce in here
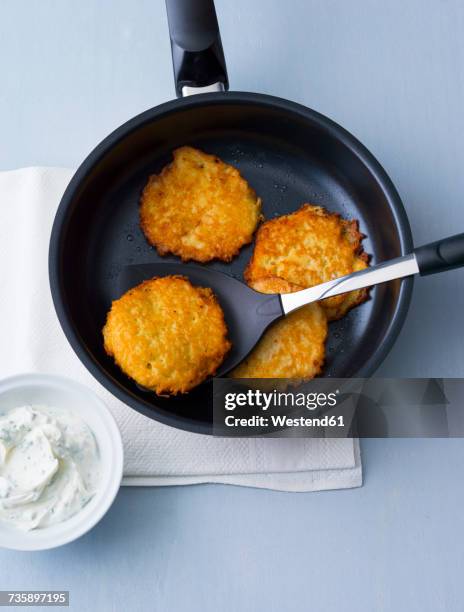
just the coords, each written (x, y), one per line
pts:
(49, 466)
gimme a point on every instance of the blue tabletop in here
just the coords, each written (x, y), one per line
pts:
(392, 73)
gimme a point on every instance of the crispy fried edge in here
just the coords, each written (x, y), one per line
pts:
(351, 229)
(209, 295)
(295, 381)
(163, 249)
(286, 287)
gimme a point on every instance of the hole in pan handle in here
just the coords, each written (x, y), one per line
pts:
(197, 55)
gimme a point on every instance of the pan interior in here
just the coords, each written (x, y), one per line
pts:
(287, 158)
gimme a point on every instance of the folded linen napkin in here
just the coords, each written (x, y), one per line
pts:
(31, 340)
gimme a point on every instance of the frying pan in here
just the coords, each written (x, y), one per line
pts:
(290, 154)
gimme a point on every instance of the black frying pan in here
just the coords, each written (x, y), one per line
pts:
(289, 154)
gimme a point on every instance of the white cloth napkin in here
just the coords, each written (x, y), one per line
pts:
(31, 340)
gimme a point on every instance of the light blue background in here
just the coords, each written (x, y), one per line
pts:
(393, 74)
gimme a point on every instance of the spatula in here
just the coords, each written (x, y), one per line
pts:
(249, 313)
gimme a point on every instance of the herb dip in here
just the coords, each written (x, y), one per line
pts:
(49, 466)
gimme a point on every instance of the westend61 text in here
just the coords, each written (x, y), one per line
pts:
(284, 421)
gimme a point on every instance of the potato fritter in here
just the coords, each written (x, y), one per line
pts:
(308, 247)
(167, 334)
(294, 347)
(199, 208)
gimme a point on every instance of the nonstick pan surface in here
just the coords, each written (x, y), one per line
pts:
(290, 155)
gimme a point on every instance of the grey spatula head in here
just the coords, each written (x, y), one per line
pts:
(247, 312)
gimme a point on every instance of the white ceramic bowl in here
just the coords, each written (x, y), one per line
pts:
(66, 394)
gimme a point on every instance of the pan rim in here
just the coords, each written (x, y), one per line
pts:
(83, 171)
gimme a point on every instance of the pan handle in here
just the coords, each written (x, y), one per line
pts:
(197, 55)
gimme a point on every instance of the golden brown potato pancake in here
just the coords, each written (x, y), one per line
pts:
(294, 347)
(167, 334)
(308, 247)
(199, 208)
